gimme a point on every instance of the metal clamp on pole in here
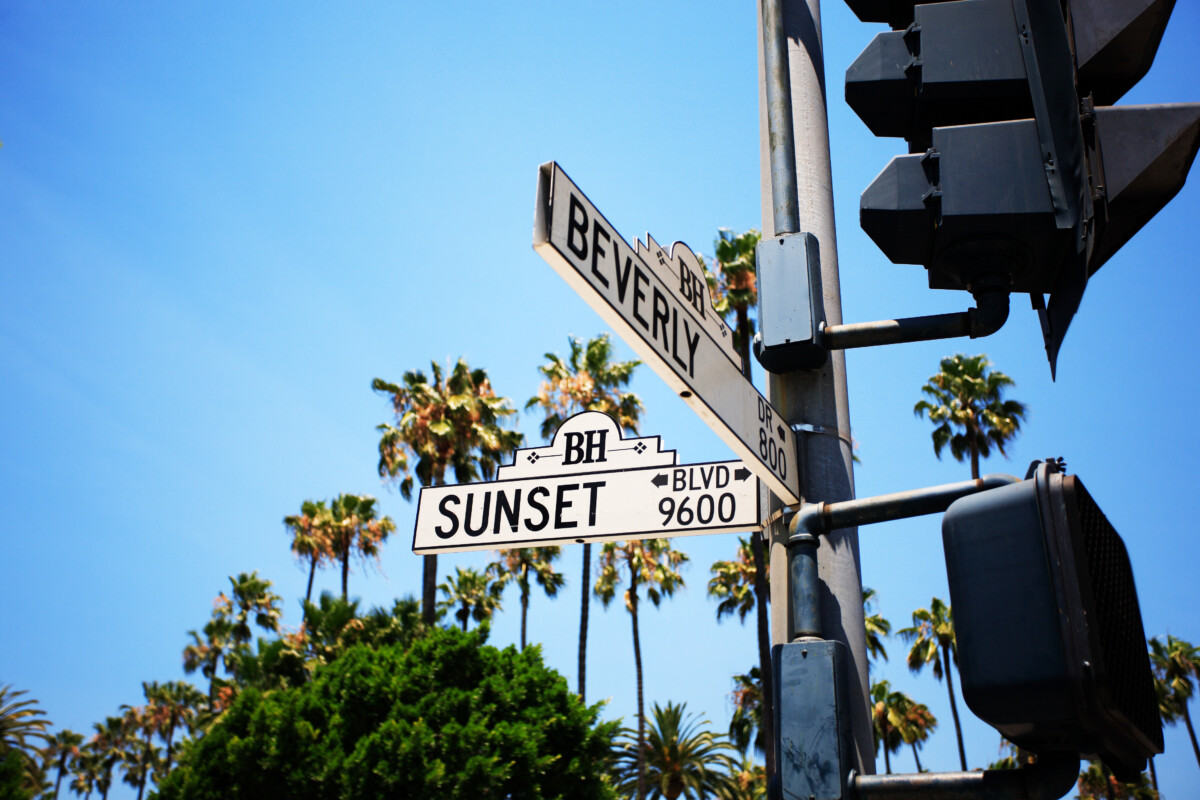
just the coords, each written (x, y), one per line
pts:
(989, 316)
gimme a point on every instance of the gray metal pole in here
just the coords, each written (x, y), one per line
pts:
(817, 398)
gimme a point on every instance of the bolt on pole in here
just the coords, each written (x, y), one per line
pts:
(794, 128)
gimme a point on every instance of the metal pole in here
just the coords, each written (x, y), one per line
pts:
(817, 398)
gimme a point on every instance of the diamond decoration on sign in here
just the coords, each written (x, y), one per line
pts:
(533, 457)
(639, 448)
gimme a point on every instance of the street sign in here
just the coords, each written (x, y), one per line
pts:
(588, 485)
(657, 301)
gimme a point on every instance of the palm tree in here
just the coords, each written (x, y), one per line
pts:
(308, 530)
(140, 757)
(898, 720)
(887, 715)
(1097, 783)
(326, 629)
(682, 758)
(932, 635)
(252, 595)
(746, 723)
(475, 596)
(108, 744)
(60, 752)
(521, 564)
(353, 528)
(86, 771)
(175, 704)
(919, 722)
(214, 650)
(968, 408)
(1176, 666)
(734, 289)
(651, 563)
(21, 722)
(586, 381)
(877, 626)
(453, 422)
(734, 285)
(732, 583)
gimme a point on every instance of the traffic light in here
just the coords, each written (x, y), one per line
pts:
(1051, 649)
(1018, 172)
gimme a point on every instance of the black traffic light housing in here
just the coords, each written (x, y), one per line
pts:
(1051, 649)
(1016, 173)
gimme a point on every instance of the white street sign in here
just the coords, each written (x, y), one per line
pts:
(588, 485)
(658, 302)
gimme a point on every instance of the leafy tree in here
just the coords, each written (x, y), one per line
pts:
(452, 422)
(682, 758)
(1176, 666)
(967, 406)
(354, 529)
(587, 381)
(448, 718)
(14, 776)
(933, 643)
(21, 724)
(526, 565)
(877, 626)
(309, 531)
(60, 752)
(651, 563)
(473, 593)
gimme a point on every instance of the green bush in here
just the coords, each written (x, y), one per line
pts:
(449, 718)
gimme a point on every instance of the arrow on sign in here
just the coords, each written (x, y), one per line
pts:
(741, 473)
(660, 480)
(654, 300)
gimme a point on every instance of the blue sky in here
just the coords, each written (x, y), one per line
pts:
(219, 222)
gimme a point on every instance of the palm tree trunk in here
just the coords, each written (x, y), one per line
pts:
(887, 751)
(312, 571)
(762, 593)
(62, 768)
(1187, 720)
(1153, 774)
(974, 469)
(145, 767)
(170, 735)
(345, 566)
(637, 661)
(428, 589)
(583, 620)
(962, 753)
(916, 757)
(524, 613)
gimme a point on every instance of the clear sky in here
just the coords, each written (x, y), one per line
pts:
(220, 221)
